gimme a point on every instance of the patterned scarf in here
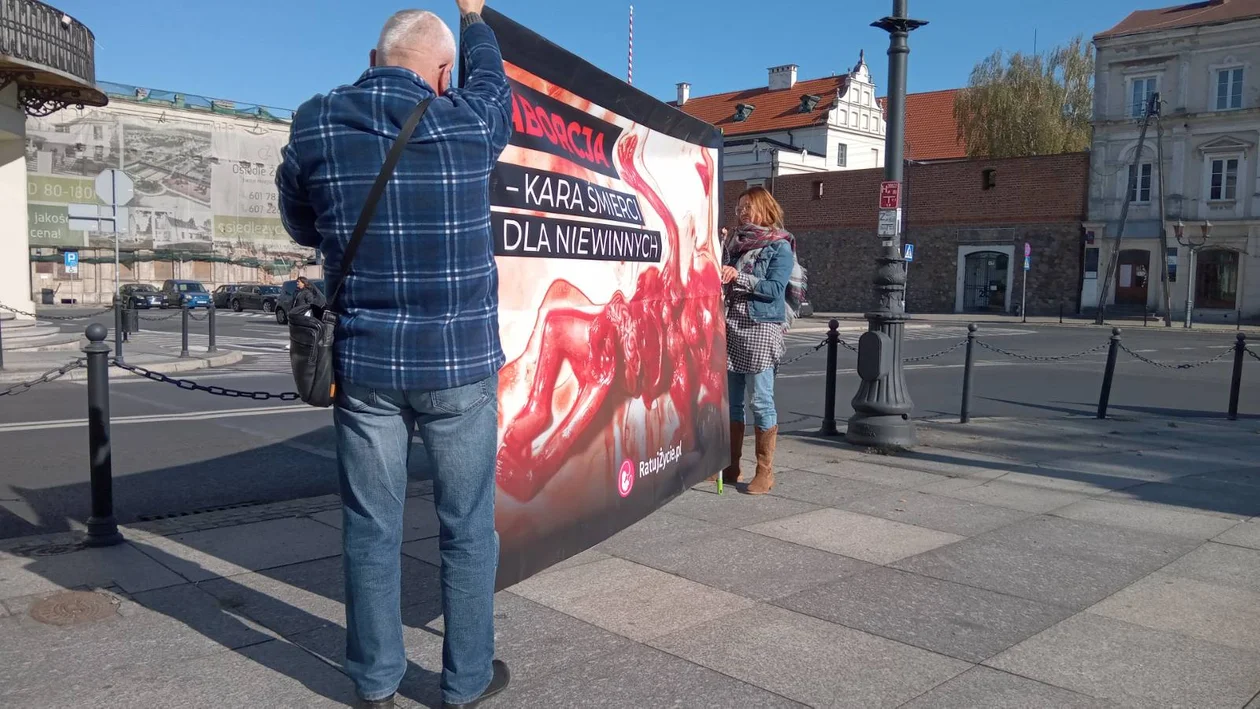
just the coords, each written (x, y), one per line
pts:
(749, 237)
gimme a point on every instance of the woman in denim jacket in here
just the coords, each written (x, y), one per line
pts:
(759, 258)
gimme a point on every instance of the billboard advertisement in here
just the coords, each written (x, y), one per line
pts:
(204, 183)
(604, 214)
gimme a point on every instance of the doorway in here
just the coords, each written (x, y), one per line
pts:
(985, 276)
(1216, 280)
(1133, 277)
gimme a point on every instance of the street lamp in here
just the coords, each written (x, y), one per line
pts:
(881, 407)
(1179, 229)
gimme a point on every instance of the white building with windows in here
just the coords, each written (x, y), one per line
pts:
(1203, 59)
(791, 127)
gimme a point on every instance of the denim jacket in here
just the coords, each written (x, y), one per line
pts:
(766, 286)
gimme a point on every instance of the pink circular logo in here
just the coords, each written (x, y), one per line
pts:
(625, 478)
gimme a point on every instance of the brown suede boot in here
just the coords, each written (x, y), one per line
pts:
(763, 481)
(731, 473)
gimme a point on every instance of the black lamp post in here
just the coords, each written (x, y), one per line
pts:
(1179, 229)
(881, 407)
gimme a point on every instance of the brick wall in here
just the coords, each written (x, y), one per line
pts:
(1038, 200)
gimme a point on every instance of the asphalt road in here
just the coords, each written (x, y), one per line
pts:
(177, 451)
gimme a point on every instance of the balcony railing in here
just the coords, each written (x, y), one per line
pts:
(50, 55)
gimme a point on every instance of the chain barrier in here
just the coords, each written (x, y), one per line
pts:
(1182, 365)
(50, 375)
(15, 311)
(803, 355)
(1041, 358)
(848, 347)
(1253, 354)
(203, 318)
(189, 385)
(935, 355)
(159, 317)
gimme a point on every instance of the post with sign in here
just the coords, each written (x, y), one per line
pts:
(116, 189)
(72, 268)
(882, 405)
(907, 253)
(1023, 298)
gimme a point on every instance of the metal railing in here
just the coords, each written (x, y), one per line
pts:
(34, 32)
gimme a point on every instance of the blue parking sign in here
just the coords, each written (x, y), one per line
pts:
(72, 261)
(909, 255)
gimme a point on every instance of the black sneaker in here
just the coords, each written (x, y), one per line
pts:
(498, 682)
(386, 703)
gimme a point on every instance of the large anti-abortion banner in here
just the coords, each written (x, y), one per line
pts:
(613, 400)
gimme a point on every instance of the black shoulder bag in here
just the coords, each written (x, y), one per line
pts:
(311, 333)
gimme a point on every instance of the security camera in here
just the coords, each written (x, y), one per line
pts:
(66, 19)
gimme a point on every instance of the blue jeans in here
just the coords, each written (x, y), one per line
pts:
(459, 429)
(764, 414)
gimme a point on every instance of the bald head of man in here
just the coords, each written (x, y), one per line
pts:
(420, 41)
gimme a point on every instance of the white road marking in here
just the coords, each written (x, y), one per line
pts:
(161, 418)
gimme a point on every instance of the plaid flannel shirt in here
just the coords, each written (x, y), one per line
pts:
(419, 309)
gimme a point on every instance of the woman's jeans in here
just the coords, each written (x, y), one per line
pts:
(459, 429)
(764, 415)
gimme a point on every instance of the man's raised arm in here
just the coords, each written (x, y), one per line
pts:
(486, 87)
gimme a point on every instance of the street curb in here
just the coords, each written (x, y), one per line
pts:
(191, 364)
(1125, 325)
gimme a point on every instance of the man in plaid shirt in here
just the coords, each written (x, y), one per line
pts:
(418, 341)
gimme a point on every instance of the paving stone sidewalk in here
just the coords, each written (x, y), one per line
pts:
(1007, 563)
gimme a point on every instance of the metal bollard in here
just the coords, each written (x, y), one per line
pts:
(118, 329)
(183, 345)
(1060, 313)
(1145, 314)
(829, 402)
(1, 343)
(102, 527)
(211, 348)
(1240, 349)
(965, 413)
(1112, 352)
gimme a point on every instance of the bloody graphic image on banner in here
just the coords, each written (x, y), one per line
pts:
(613, 398)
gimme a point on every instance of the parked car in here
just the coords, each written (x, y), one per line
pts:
(285, 301)
(189, 294)
(223, 294)
(255, 298)
(141, 295)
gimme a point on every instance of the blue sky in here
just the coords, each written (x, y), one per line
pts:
(280, 52)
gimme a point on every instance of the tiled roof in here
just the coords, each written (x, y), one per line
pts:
(931, 131)
(775, 110)
(1210, 12)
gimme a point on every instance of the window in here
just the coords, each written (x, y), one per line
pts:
(1172, 265)
(1140, 182)
(842, 155)
(1216, 283)
(1229, 88)
(1091, 263)
(98, 132)
(1224, 179)
(875, 153)
(98, 152)
(1142, 89)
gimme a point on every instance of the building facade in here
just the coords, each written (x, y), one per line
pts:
(205, 196)
(790, 127)
(1203, 60)
(968, 222)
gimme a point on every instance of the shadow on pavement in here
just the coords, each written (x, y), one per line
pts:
(262, 589)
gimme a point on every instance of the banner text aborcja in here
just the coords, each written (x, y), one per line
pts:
(613, 400)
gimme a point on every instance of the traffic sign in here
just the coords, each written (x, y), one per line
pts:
(909, 255)
(889, 223)
(1027, 249)
(1028, 263)
(94, 217)
(114, 187)
(890, 195)
(72, 261)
